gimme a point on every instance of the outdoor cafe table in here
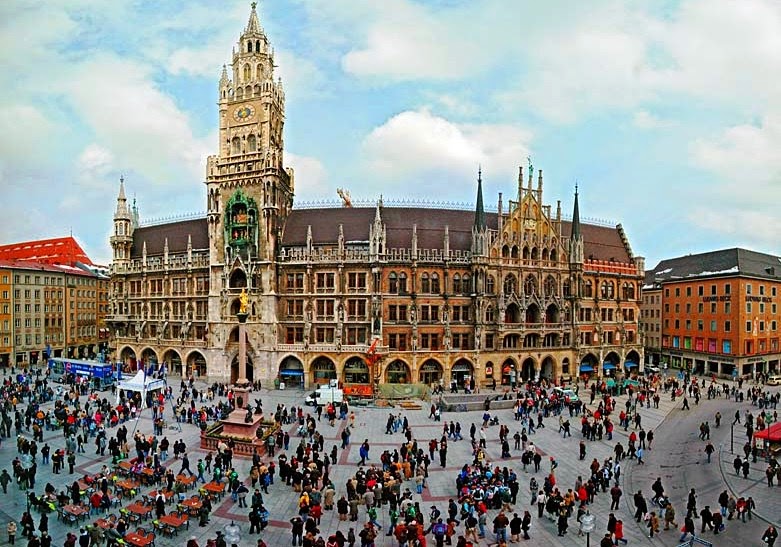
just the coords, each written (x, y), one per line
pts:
(126, 486)
(174, 522)
(76, 510)
(192, 505)
(216, 488)
(146, 475)
(186, 480)
(124, 467)
(167, 494)
(140, 510)
(137, 540)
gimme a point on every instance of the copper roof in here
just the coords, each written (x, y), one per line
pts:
(600, 242)
(176, 232)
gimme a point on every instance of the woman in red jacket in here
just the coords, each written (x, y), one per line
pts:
(618, 535)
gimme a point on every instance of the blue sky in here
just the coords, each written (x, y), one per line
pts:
(667, 114)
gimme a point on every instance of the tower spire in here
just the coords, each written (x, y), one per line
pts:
(575, 217)
(122, 210)
(479, 208)
(253, 25)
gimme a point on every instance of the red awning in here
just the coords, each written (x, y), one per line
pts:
(771, 433)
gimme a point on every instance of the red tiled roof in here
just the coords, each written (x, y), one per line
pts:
(59, 250)
(31, 265)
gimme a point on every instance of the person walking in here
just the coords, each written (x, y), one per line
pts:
(770, 536)
(641, 506)
(709, 450)
(688, 528)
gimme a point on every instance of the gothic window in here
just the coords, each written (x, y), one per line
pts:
(529, 285)
(236, 146)
(489, 315)
(514, 252)
(606, 289)
(510, 284)
(526, 253)
(456, 284)
(252, 143)
(435, 283)
(425, 284)
(535, 254)
(466, 284)
(489, 284)
(393, 283)
(588, 289)
(505, 251)
(259, 72)
(567, 288)
(553, 255)
(545, 254)
(249, 47)
(257, 46)
(402, 283)
(247, 73)
(628, 291)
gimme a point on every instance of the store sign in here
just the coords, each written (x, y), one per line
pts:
(722, 298)
(751, 298)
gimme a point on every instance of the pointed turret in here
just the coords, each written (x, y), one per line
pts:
(135, 213)
(480, 222)
(122, 211)
(576, 238)
(253, 25)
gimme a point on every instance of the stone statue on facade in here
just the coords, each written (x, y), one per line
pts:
(243, 301)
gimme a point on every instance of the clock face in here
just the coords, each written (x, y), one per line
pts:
(243, 113)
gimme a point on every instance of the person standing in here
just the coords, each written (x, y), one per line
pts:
(709, 450)
(770, 536)
(641, 506)
(526, 524)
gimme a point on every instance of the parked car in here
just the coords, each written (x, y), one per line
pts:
(774, 380)
(324, 395)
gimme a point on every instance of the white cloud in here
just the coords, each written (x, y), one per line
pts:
(23, 129)
(416, 142)
(311, 177)
(643, 119)
(131, 117)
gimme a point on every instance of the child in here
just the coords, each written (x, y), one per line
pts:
(11, 532)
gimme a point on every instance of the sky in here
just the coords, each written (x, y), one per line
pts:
(666, 114)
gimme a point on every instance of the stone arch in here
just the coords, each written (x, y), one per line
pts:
(149, 356)
(462, 371)
(509, 372)
(528, 369)
(544, 254)
(430, 372)
(249, 368)
(322, 370)
(173, 360)
(127, 355)
(505, 251)
(238, 279)
(196, 364)
(398, 372)
(512, 314)
(291, 371)
(632, 361)
(611, 363)
(525, 253)
(552, 314)
(356, 371)
(532, 314)
(553, 255)
(233, 335)
(548, 368)
(235, 306)
(535, 253)
(514, 252)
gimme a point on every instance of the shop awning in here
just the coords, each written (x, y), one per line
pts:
(586, 368)
(771, 433)
(607, 365)
(630, 364)
(291, 372)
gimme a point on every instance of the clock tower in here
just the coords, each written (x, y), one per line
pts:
(249, 193)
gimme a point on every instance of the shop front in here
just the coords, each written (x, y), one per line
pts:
(291, 373)
(357, 378)
(431, 373)
(461, 373)
(508, 373)
(397, 373)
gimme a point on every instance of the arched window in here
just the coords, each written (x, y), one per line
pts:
(525, 253)
(535, 254)
(402, 283)
(567, 288)
(393, 283)
(553, 255)
(606, 289)
(510, 284)
(489, 284)
(257, 46)
(425, 284)
(435, 283)
(236, 145)
(252, 143)
(456, 284)
(259, 73)
(514, 252)
(505, 251)
(588, 290)
(489, 315)
(466, 284)
(249, 47)
(247, 73)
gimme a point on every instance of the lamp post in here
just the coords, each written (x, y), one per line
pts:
(587, 524)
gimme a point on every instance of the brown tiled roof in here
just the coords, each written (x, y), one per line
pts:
(176, 232)
(724, 262)
(600, 242)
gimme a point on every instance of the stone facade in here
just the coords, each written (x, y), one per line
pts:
(363, 295)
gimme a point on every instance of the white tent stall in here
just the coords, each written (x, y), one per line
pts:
(140, 384)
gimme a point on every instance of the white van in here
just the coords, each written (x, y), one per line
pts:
(325, 395)
(774, 380)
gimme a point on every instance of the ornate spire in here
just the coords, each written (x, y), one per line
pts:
(253, 25)
(480, 222)
(575, 217)
(122, 211)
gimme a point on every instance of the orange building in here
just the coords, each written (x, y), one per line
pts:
(720, 312)
(6, 316)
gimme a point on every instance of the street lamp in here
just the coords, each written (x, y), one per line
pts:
(587, 524)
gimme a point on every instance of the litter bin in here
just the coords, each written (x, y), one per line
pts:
(276, 383)
(281, 385)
